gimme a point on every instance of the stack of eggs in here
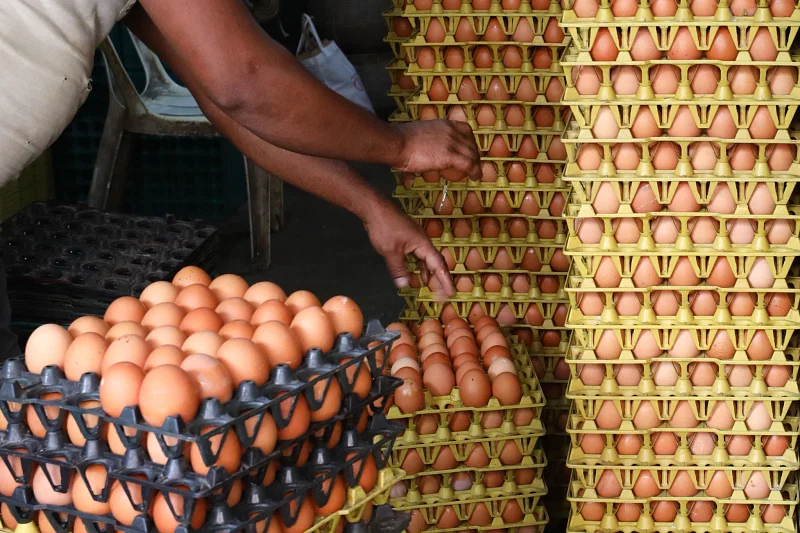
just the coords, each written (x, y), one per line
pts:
(682, 229)
(184, 406)
(494, 64)
(403, 86)
(471, 406)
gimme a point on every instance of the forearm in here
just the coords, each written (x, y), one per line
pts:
(334, 181)
(265, 89)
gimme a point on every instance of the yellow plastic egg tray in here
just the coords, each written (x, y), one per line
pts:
(467, 7)
(506, 144)
(534, 461)
(683, 12)
(702, 33)
(743, 186)
(579, 428)
(433, 199)
(683, 368)
(541, 117)
(585, 115)
(555, 230)
(727, 237)
(540, 81)
(533, 522)
(479, 20)
(780, 339)
(399, 116)
(699, 477)
(357, 500)
(488, 248)
(461, 449)
(395, 42)
(685, 313)
(681, 523)
(577, 135)
(478, 492)
(761, 413)
(532, 182)
(490, 302)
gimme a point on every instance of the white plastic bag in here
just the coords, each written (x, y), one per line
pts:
(330, 66)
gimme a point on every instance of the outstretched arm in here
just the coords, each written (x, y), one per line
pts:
(254, 81)
(391, 232)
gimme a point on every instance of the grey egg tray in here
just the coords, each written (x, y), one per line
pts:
(258, 503)
(66, 260)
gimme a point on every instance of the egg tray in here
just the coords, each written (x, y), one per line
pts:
(257, 504)
(357, 500)
(533, 457)
(441, 407)
(478, 21)
(488, 250)
(681, 523)
(348, 458)
(779, 339)
(54, 449)
(760, 413)
(547, 117)
(452, 79)
(738, 477)
(458, 441)
(410, 184)
(20, 387)
(546, 365)
(478, 491)
(478, 291)
(574, 134)
(491, 302)
(683, 370)
(686, 313)
(526, 6)
(396, 42)
(756, 246)
(495, 501)
(551, 225)
(534, 521)
(742, 189)
(434, 200)
(702, 265)
(572, 60)
(683, 455)
(683, 12)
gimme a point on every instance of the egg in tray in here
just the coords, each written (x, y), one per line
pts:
(202, 404)
(471, 406)
(682, 234)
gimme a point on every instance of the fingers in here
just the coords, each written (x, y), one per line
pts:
(435, 264)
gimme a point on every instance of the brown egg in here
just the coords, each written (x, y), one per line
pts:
(126, 328)
(200, 319)
(89, 324)
(604, 48)
(165, 335)
(196, 296)
(235, 308)
(129, 348)
(683, 124)
(722, 46)
(262, 291)
(164, 517)
(762, 126)
(162, 314)
(683, 47)
(85, 354)
(271, 310)
(718, 485)
(82, 495)
(164, 355)
(229, 452)
(126, 308)
(205, 342)
(464, 33)
(167, 390)
(682, 486)
(763, 47)
(552, 33)
(607, 485)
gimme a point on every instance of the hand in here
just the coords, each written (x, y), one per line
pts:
(394, 235)
(439, 145)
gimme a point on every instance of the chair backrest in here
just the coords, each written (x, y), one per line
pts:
(155, 73)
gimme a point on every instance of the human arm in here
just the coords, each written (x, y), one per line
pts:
(258, 84)
(391, 232)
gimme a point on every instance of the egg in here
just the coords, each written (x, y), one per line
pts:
(604, 47)
(92, 482)
(130, 348)
(165, 391)
(683, 47)
(89, 324)
(235, 308)
(43, 488)
(262, 291)
(126, 308)
(762, 47)
(196, 296)
(85, 354)
(47, 345)
(161, 314)
(163, 515)
(165, 335)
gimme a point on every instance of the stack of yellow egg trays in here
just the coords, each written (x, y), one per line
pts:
(683, 230)
(474, 469)
(495, 65)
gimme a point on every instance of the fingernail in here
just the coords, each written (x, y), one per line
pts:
(401, 283)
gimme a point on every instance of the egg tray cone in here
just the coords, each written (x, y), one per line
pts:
(285, 385)
(486, 84)
(489, 117)
(347, 460)
(683, 12)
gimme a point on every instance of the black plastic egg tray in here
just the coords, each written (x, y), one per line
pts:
(343, 364)
(257, 503)
(65, 261)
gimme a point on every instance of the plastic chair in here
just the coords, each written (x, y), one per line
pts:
(167, 108)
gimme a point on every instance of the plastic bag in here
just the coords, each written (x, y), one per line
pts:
(330, 66)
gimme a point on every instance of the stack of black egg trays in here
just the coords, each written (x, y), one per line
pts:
(258, 503)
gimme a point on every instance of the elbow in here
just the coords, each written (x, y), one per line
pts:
(234, 90)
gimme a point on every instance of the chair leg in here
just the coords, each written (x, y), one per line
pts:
(276, 203)
(258, 200)
(110, 173)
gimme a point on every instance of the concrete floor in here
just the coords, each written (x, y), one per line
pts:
(322, 248)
